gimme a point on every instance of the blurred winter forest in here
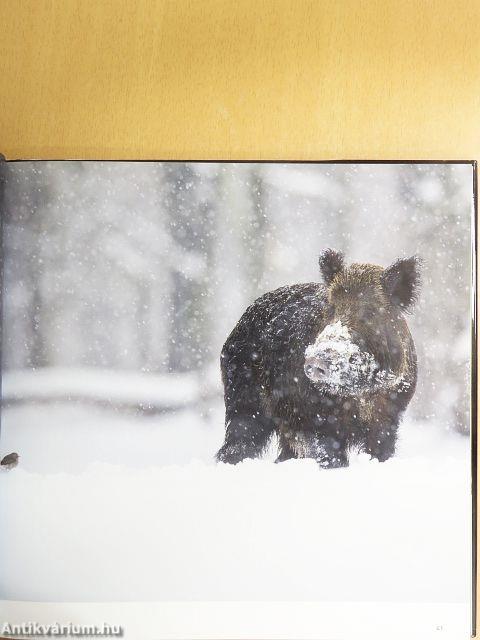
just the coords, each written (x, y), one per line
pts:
(122, 280)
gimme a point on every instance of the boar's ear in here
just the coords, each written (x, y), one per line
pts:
(331, 262)
(401, 282)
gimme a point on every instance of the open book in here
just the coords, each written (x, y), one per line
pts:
(236, 400)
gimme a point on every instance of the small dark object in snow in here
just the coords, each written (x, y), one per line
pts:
(9, 461)
(325, 367)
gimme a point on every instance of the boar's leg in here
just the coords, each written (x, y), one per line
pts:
(246, 436)
(247, 427)
(380, 443)
(285, 451)
(330, 452)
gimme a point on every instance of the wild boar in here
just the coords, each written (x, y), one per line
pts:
(327, 367)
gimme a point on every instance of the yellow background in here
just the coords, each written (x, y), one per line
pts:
(240, 79)
(244, 79)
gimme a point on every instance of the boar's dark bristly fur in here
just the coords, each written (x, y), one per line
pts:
(361, 309)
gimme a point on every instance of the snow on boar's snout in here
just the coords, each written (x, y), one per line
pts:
(337, 363)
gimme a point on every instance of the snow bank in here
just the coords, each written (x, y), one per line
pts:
(142, 519)
(147, 390)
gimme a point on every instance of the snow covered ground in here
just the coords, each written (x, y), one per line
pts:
(109, 506)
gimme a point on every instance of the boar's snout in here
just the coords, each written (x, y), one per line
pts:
(317, 368)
